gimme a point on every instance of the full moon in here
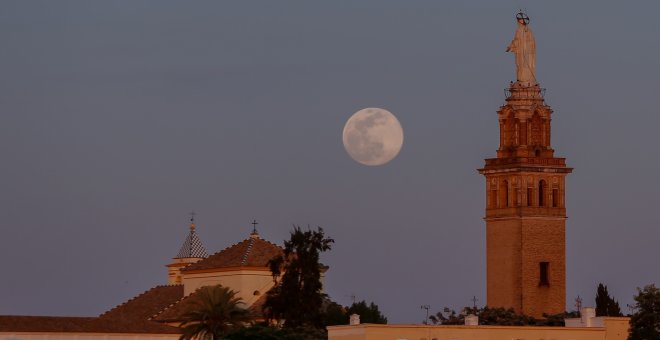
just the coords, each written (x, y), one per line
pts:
(373, 136)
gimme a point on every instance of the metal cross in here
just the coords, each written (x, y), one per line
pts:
(521, 16)
(254, 226)
(192, 216)
(474, 302)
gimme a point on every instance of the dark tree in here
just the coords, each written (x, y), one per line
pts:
(368, 313)
(487, 316)
(504, 317)
(334, 314)
(447, 317)
(296, 298)
(645, 322)
(605, 305)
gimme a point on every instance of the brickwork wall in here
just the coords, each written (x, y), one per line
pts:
(543, 240)
(504, 263)
(522, 232)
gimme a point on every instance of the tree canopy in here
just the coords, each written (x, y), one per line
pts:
(645, 322)
(368, 313)
(297, 297)
(497, 317)
(215, 311)
(606, 305)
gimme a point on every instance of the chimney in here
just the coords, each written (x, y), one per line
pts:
(471, 320)
(587, 314)
(355, 319)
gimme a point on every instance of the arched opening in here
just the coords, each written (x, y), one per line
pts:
(492, 198)
(542, 191)
(504, 194)
(515, 198)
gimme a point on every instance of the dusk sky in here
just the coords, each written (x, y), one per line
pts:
(118, 118)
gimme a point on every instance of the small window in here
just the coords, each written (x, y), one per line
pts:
(543, 275)
(256, 292)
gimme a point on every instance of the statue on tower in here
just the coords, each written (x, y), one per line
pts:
(523, 47)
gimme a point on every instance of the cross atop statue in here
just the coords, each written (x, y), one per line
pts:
(523, 47)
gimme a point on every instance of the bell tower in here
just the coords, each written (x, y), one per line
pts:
(525, 188)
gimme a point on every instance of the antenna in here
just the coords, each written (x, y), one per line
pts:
(578, 303)
(427, 307)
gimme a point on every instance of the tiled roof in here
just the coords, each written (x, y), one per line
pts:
(252, 252)
(129, 317)
(173, 313)
(145, 305)
(24, 323)
(192, 246)
(66, 324)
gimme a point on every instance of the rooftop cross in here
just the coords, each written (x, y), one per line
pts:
(192, 219)
(254, 227)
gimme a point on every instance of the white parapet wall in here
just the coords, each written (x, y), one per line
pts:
(611, 329)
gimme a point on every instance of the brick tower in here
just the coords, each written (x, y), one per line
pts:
(525, 207)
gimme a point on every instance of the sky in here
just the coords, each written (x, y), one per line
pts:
(118, 118)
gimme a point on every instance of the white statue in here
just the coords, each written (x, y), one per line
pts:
(524, 48)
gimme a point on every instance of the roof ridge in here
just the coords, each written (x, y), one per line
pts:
(192, 246)
(247, 252)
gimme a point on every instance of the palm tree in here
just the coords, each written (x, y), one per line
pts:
(214, 311)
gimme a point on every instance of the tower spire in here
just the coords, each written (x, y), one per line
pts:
(191, 251)
(192, 246)
(525, 188)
